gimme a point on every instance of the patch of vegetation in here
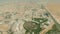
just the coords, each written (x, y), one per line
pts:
(53, 31)
(41, 20)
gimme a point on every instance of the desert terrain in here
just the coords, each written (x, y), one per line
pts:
(55, 10)
(21, 8)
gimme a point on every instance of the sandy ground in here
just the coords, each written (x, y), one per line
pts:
(55, 10)
(12, 7)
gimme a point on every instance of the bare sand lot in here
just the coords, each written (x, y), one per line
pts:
(55, 10)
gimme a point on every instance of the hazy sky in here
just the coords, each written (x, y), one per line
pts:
(29, 0)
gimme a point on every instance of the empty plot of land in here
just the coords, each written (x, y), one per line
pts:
(55, 10)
